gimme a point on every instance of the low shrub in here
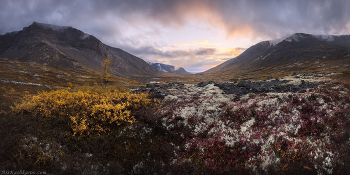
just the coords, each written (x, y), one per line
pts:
(88, 110)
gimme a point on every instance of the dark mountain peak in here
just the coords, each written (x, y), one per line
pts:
(64, 46)
(59, 33)
(296, 37)
(36, 25)
(299, 51)
(311, 38)
(182, 71)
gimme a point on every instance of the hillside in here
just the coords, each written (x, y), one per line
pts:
(68, 47)
(298, 53)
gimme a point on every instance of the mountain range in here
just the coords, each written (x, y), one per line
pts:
(63, 46)
(299, 52)
(169, 68)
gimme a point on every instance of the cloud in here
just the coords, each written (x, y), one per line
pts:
(253, 18)
(233, 52)
(206, 51)
(197, 43)
(187, 58)
(152, 51)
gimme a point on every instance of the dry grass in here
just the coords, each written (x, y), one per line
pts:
(62, 77)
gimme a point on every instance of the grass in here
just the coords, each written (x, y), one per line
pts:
(10, 93)
(252, 71)
(62, 77)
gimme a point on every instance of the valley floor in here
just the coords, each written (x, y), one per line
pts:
(299, 123)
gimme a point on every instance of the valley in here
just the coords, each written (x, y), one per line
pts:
(278, 108)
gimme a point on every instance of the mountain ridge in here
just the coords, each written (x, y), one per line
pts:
(65, 46)
(317, 52)
(169, 68)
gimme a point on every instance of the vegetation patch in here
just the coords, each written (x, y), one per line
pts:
(195, 130)
(92, 110)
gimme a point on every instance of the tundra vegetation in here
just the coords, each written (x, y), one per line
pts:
(106, 70)
(108, 129)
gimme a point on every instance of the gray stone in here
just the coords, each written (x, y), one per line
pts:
(156, 93)
(202, 84)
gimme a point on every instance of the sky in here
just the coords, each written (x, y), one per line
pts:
(194, 34)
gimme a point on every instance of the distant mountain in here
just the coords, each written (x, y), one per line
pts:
(299, 52)
(169, 68)
(68, 47)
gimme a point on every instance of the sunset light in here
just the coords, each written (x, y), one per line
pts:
(176, 32)
(246, 87)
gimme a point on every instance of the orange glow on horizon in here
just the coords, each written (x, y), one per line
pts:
(232, 51)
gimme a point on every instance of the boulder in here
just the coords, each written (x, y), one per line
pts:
(295, 88)
(170, 84)
(156, 93)
(256, 90)
(246, 84)
(142, 88)
(202, 84)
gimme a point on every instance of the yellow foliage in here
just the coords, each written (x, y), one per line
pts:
(89, 110)
(12, 91)
(106, 69)
(69, 84)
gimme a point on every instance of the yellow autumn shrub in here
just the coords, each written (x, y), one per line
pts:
(89, 109)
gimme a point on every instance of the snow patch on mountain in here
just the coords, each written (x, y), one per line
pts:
(275, 41)
(295, 37)
(160, 67)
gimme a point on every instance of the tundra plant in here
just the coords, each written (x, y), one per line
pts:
(93, 110)
(269, 133)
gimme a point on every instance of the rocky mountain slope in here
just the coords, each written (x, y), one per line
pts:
(68, 47)
(298, 53)
(169, 68)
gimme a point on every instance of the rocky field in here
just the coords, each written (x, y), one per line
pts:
(296, 123)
